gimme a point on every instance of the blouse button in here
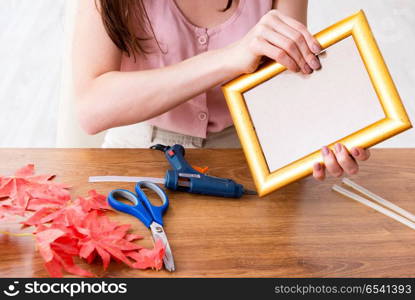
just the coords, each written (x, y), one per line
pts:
(202, 39)
(202, 116)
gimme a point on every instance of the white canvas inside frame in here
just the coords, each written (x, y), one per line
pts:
(295, 114)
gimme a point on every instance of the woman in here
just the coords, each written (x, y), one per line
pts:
(162, 61)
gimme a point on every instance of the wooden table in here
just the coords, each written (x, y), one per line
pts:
(303, 230)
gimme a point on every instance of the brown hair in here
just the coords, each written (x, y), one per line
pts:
(121, 19)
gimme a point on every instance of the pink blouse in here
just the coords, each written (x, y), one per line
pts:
(179, 39)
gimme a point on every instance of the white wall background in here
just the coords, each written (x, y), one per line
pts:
(31, 43)
(31, 47)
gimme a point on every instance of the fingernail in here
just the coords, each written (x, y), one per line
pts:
(315, 64)
(355, 152)
(307, 69)
(316, 48)
(325, 150)
(338, 148)
(317, 166)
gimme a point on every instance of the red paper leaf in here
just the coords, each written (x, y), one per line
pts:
(62, 260)
(7, 208)
(148, 258)
(54, 268)
(44, 240)
(68, 229)
(93, 201)
(58, 248)
(26, 171)
(105, 237)
(42, 216)
(24, 186)
(6, 187)
(131, 237)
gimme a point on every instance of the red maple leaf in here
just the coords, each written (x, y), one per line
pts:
(107, 238)
(58, 247)
(148, 258)
(93, 201)
(67, 229)
(67, 213)
(25, 186)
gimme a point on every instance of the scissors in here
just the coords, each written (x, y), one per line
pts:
(146, 212)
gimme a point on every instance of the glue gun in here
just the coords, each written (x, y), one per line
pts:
(185, 178)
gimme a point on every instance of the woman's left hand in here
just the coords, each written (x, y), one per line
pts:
(339, 161)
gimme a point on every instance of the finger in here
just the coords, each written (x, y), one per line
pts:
(319, 172)
(299, 40)
(360, 153)
(312, 42)
(277, 54)
(331, 163)
(283, 42)
(346, 162)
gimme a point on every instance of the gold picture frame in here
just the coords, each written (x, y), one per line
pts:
(395, 121)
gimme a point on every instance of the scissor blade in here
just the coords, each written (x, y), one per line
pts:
(158, 233)
(126, 179)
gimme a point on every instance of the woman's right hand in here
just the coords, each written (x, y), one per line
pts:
(280, 38)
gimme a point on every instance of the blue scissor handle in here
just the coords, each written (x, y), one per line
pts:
(156, 212)
(142, 208)
(137, 210)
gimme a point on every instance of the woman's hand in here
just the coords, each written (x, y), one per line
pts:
(339, 161)
(280, 38)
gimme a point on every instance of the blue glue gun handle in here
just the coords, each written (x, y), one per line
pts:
(175, 157)
(204, 184)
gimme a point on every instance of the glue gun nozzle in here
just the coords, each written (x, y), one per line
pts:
(250, 192)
